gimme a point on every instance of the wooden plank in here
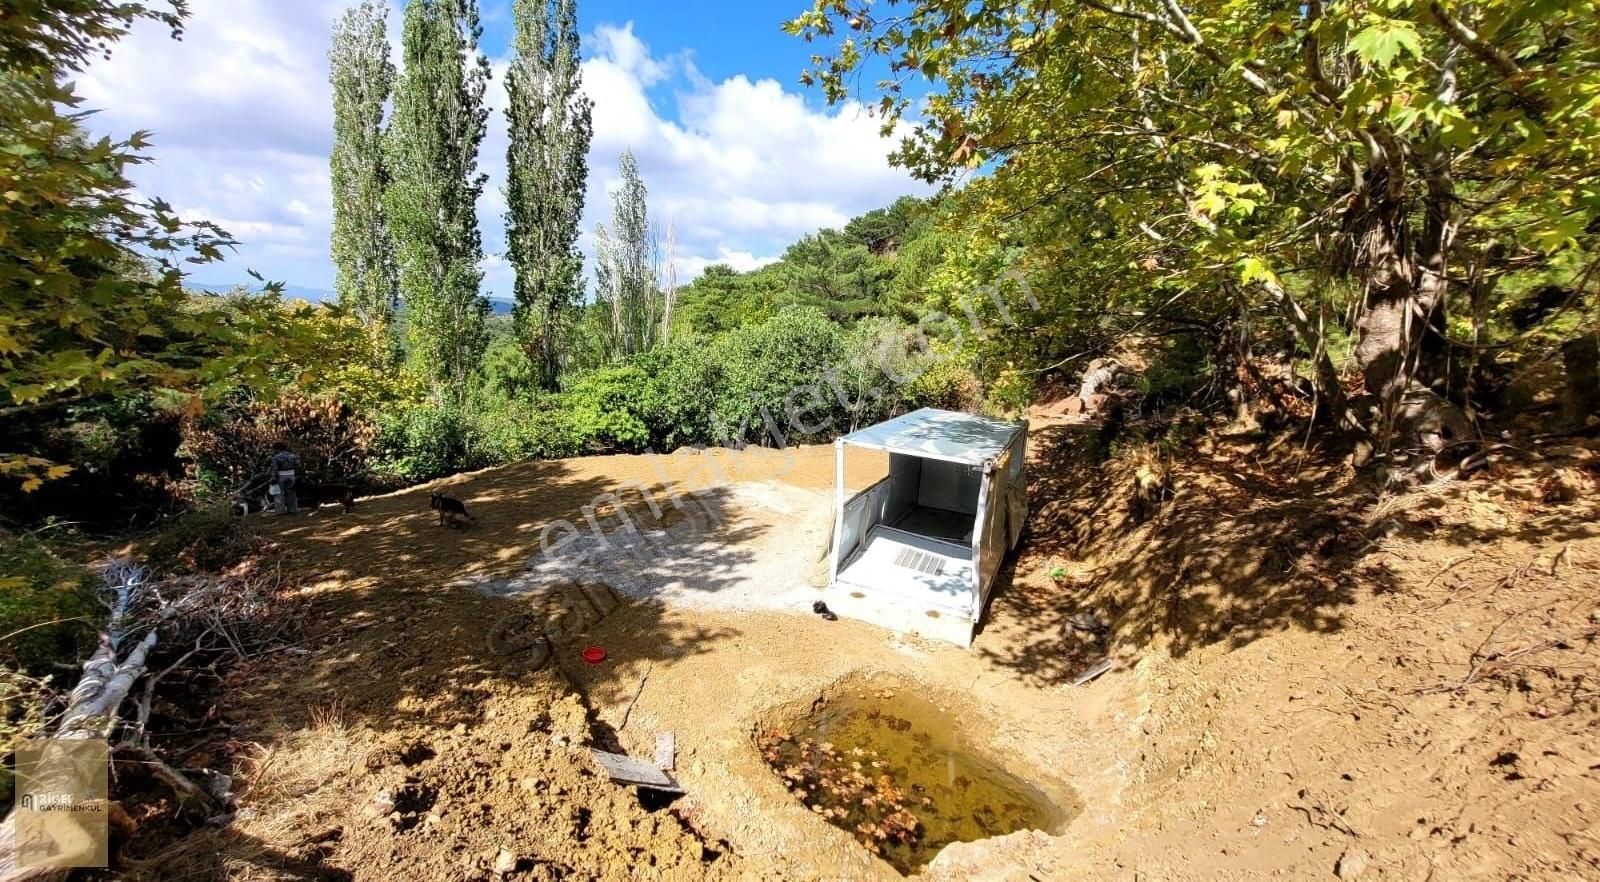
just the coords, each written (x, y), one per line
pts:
(627, 770)
(666, 751)
(1095, 670)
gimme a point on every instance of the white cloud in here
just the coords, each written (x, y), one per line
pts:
(743, 261)
(242, 121)
(742, 167)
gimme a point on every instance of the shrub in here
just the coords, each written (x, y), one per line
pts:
(205, 539)
(37, 587)
(774, 367)
(685, 376)
(533, 427)
(505, 373)
(612, 407)
(231, 445)
(48, 614)
(948, 382)
(420, 443)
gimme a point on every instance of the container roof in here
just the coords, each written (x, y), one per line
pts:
(940, 434)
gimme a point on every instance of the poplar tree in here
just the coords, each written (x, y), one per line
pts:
(363, 257)
(433, 141)
(625, 271)
(548, 118)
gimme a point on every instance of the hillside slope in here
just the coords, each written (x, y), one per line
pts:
(1323, 678)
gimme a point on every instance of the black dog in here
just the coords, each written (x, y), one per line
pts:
(312, 496)
(451, 510)
(325, 494)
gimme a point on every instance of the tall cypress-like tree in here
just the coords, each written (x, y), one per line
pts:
(363, 256)
(433, 141)
(548, 118)
(625, 270)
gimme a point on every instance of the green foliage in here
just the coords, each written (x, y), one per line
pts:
(1178, 368)
(432, 151)
(772, 374)
(91, 271)
(39, 587)
(207, 538)
(506, 372)
(548, 119)
(1243, 168)
(722, 299)
(362, 77)
(612, 407)
(48, 613)
(421, 442)
(950, 383)
(538, 426)
(53, 35)
(684, 377)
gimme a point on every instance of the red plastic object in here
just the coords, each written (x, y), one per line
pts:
(594, 655)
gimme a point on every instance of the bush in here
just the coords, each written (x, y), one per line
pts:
(948, 382)
(37, 586)
(515, 429)
(231, 445)
(771, 368)
(205, 539)
(685, 376)
(49, 614)
(612, 407)
(420, 443)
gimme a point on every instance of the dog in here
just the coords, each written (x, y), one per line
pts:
(326, 494)
(312, 497)
(452, 511)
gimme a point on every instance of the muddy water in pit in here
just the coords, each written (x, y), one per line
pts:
(888, 767)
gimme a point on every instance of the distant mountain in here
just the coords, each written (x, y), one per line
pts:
(319, 295)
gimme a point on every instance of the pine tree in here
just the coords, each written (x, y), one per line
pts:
(548, 118)
(625, 271)
(363, 256)
(433, 141)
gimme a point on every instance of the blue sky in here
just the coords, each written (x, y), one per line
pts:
(737, 155)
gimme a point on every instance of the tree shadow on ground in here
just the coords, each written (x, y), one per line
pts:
(402, 631)
(1251, 542)
(396, 627)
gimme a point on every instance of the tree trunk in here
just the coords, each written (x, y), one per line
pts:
(1401, 348)
(1582, 360)
(1327, 375)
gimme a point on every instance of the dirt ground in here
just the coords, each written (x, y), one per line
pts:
(1311, 679)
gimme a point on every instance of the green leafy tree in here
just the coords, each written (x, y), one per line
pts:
(91, 273)
(884, 230)
(722, 299)
(837, 274)
(432, 145)
(1381, 160)
(625, 271)
(363, 256)
(548, 118)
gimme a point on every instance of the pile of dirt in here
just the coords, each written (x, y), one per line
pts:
(1318, 675)
(507, 791)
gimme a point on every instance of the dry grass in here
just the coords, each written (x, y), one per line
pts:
(292, 784)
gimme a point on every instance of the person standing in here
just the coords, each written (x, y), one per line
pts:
(282, 468)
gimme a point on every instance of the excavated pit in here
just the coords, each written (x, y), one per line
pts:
(903, 772)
